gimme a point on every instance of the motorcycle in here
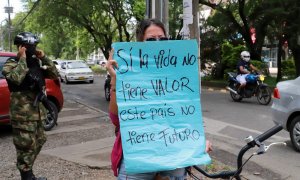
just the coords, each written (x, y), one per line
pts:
(255, 87)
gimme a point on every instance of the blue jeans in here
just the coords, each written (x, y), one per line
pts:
(177, 174)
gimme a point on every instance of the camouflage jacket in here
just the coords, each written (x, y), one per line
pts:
(21, 103)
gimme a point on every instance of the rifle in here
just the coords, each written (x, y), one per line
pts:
(41, 96)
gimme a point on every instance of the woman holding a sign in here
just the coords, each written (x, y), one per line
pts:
(148, 30)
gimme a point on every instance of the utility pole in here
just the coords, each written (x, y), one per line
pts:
(194, 27)
(158, 9)
(191, 29)
(9, 10)
(195, 30)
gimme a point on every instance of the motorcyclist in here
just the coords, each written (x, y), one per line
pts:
(244, 68)
(25, 77)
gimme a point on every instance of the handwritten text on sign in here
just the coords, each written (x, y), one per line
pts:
(159, 105)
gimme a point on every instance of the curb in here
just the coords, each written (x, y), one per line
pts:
(214, 84)
(91, 107)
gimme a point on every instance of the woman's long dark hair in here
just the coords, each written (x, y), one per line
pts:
(144, 24)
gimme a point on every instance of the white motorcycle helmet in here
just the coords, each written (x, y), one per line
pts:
(245, 55)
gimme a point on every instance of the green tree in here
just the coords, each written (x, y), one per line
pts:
(275, 19)
(230, 56)
(284, 27)
(292, 30)
(80, 14)
(4, 36)
(237, 19)
(15, 29)
(175, 22)
(103, 21)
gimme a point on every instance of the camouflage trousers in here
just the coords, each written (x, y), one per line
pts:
(28, 138)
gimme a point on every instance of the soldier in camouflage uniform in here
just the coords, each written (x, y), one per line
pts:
(25, 75)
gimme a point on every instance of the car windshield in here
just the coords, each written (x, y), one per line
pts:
(76, 65)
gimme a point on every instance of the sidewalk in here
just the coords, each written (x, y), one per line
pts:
(96, 153)
(91, 153)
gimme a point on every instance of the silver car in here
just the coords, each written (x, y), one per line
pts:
(286, 108)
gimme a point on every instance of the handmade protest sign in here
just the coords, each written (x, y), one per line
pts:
(159, 106)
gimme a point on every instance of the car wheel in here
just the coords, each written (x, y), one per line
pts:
(50, 122)
(107, 93)
(264, 95)
(295, 133)
(91, 81)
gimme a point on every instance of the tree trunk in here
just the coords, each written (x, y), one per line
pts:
(296, 55)
(279, 55)
(255, 54)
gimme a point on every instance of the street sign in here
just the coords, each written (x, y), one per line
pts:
(8, 9)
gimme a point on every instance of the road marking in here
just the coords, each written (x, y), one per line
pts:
(77, 117)
(68, 109)
(72, 128)
(223, 91)
(212, 89)
(216, 127)
(92, 153)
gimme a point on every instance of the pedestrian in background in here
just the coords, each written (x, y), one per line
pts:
(25, 77)
(147, 30)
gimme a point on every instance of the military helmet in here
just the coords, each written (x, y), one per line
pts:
(26, 38)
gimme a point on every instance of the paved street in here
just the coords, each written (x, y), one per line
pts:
(79, 147)
(96, 153)
(227, 124)
(157, 49)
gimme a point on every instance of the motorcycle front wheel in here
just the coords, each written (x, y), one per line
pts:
(264, 95)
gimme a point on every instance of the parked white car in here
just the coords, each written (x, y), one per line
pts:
(76, 70)
(286, 108)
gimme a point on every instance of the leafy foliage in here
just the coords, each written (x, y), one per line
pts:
(230, 56)
(288, 69)
(82, 26)
(233, 19)
(98, 69)
(176, 22)
(274, 19)
(262, 67)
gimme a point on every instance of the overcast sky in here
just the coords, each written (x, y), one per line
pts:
(16, 4)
